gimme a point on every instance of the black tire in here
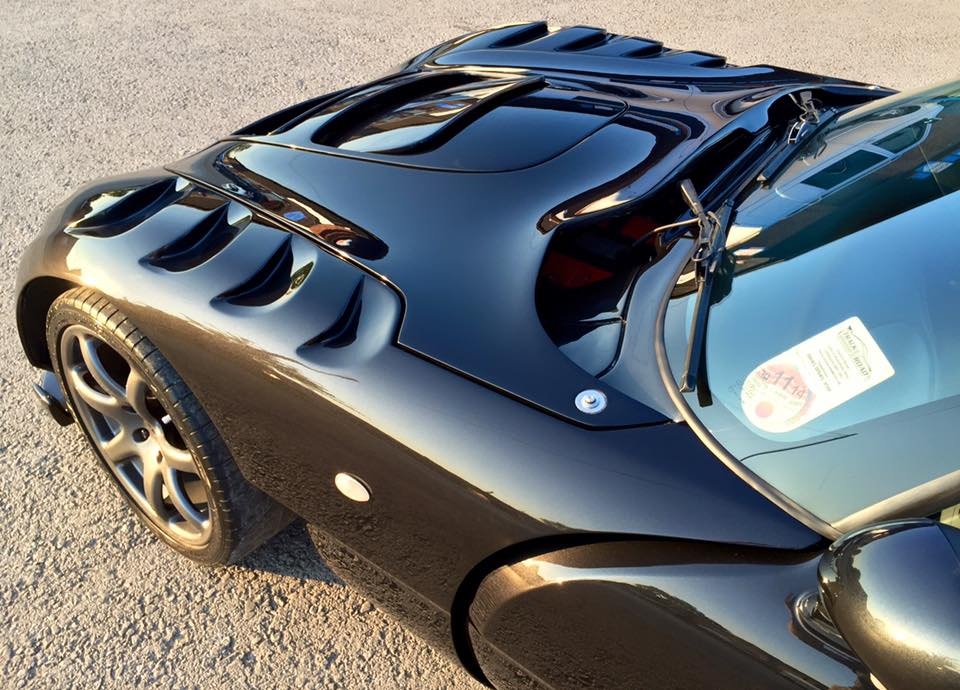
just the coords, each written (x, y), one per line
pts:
(240, 516)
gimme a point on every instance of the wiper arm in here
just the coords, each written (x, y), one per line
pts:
(812, 120)
(811, 116)
(711, 244)
(776, 166)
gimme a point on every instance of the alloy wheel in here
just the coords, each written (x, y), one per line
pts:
(135, 436)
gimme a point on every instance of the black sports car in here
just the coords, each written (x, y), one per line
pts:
(601, 364)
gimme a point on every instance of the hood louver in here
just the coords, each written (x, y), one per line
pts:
(456, 120)
(348, 116)
(535, 45)
(200, 243)
(477, 98)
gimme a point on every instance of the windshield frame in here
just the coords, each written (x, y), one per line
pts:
(669, 379)
(926, 498)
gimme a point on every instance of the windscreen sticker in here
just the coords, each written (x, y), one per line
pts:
(813, 377)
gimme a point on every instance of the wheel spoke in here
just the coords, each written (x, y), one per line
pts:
(136, 394)
(179, 499)
(153, 481)
(91, 358)
(178, 458)
(104, 404)
(120, 447)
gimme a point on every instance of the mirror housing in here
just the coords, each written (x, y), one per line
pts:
(893, 591)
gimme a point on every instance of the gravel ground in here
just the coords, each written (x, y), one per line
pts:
(87, 597)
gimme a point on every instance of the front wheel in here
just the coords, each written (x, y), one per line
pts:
(152, 436)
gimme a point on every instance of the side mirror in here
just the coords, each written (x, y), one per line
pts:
(893, 591)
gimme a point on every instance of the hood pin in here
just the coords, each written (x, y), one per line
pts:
(591, 401)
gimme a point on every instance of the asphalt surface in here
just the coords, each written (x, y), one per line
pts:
(87, 597)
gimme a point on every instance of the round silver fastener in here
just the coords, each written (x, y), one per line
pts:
(591, 401)
(352, 487)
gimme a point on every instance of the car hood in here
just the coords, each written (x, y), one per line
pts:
(448, 179)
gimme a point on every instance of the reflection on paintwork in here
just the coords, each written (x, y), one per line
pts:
(308, 332)
(469, 122)
(101, 202)
(906, 632)
(338, 233)
(643, 601)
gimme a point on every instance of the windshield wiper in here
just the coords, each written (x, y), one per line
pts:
(711, 243)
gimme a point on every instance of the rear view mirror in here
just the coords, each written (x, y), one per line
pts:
(893, 591)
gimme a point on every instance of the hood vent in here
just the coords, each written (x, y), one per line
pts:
(430, 109)
(456, 120)
(281, 119)
(435, 117)
(351, 114)
(520, 44)
(343, 331)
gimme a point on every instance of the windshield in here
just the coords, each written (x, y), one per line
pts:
(833, 347)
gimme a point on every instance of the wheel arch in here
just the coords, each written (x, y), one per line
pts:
(33, 304)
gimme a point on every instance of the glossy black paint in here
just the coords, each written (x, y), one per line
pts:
(894, 592)
(339, 310)
(725, 617)
(465, 249)
(450, 261)
(387, 412)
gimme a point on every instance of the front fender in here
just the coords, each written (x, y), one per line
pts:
(45, 272)
(157, 240)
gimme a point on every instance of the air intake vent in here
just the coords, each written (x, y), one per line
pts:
(113, 212)
(353, 116)
(462, 120)
(275, 121)
(508, 37)
(270, 283)
(589, 39)
(343, 331)
(457, 120)
(574, 38)
(212, 233)
(494, 94)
